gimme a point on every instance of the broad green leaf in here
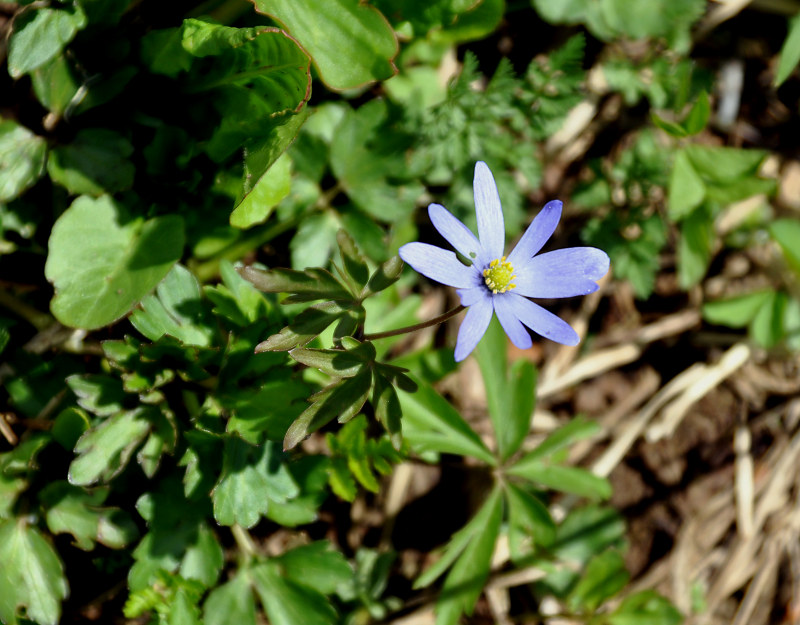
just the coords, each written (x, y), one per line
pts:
(363, 164)
(431, 423)
(736, 312)
(645, 608)
(31, 575)
(350, 42)
(252, 479)
(464, 583)
(96, 162)
(563, 479)
(117, 261)
(288, 602)
(22, 159)
(176, 311)
(790, 52)
(786, 232)
(104, 451)
(10, 488)
(341, 401)
(56, 86)
(605, 576)
(76, 511)
(686, 189)
(265, 195)
(724, 164)
(766, 327)
(203, 560)
(479, 21)
(694, 248)
(101, 395)
(232, 602)
(39, 34)
(697, 119)
(316, 565)
(511, 396)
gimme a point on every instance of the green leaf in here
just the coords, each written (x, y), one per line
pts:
(466, 579)
(78, 512)
(266, 412)
(311, 475)
(31, 575)
(724, 164)
(231, 603)
(574, 430)
(790, 52)
(528, 514)
(694, 248)
(511, 400)
(335, 362)
(22, 459)
(430, 423)
(686, 189)
(96, 162)
(288, 602)
(102, 395)
(786, 232)
(316, 565)
(272, 186)
(387, 408)
(104, 451)
(645, 608)
(305, 286)
(39, 34)
(461, 540)
(355, 265)
(563, 479)
(351, 43)
(766, 327)
(252, 477)
(697, 119)
(22, 158)
(736, 312)
(163, 53)
(605, 576)
(116, 263)
(383, 277)
(342, 401)
(55, 86)
(177, 311)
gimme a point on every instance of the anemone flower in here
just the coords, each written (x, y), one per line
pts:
(495, 283)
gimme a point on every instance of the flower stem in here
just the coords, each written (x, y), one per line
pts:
(419, 326)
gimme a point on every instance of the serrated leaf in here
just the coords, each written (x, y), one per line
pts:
(176, 310)
(287, 602)
(22, 159)
(79, 512)
(102, 395)
(96, 162)
(31, 575)
(231, 602)
(39, 34)
(351, 43)
(116, 263)
(104, 451)
(342, 401)
(252, 477)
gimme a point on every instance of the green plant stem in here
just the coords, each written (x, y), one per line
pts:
(244, 541)
(419, 326)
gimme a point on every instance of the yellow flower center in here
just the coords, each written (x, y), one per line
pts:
(498, 275)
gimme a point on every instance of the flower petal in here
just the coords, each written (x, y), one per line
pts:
(512, 326)
(562, 273)
(438, 264)
(491, 228)
(456, 233)
(473, 327)
(472, 295)
(541, 229)
(542, 321)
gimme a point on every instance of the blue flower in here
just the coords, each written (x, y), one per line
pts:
(500, 284)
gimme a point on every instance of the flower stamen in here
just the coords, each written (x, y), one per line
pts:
(498, 275)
